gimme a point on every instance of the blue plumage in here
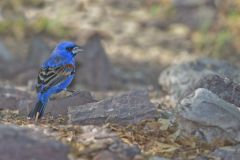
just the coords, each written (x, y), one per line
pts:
(55, 75)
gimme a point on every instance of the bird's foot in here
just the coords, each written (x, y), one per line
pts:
(73, 92)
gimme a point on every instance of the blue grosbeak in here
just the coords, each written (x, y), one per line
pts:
(55, 75)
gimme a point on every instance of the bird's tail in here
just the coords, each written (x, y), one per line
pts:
(37, 111)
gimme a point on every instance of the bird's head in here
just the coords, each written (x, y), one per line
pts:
(68, 48)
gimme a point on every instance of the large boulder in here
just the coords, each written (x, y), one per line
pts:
(210, 118)
(23, 144)
(126, 108)
(223, 87)
(95, 68)
(178, 78)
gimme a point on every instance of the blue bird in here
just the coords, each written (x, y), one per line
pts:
(55, 75)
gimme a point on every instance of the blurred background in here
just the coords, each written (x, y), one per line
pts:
(128, 43)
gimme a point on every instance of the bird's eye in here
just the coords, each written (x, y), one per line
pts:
(69, 48)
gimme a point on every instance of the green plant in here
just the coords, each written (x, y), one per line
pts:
(50, 26)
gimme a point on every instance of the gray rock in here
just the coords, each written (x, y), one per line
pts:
(5, 54)
(201, 157)
(95, 69)
(24, 144)
(10, 97)
(118, 151)
(127, 108)
(106, 155)
(223, 87)
(189, 3)
(24, 70)
(178, 78)
(124, 150)
(26, 76)
(124, 5)
(227, 153)
(210, 118)
(14, 70)
(158, 158)
(194, 13)
(104, 144)
(58, 106)
(38, 51)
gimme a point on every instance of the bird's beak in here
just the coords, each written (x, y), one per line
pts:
(77, 50)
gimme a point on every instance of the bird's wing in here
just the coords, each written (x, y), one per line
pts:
(51, 76)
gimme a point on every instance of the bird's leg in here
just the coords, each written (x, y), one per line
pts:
(68, 90)
(36, 118)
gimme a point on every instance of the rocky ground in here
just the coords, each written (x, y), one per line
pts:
(150, 84)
